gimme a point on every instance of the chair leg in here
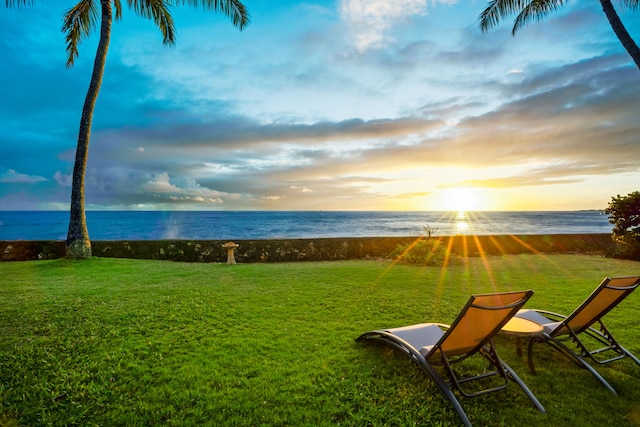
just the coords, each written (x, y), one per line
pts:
(516, 379)
(630, 355)
(580, 362)
(530, 356)
(426, 367)
(445, 390)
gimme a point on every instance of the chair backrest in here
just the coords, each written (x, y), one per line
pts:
(481, 318)
(604, 298)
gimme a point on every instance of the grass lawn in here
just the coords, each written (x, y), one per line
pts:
(128, 342)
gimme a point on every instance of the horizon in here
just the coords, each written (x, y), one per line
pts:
(234, 225)
(313, 211)
(335, 106)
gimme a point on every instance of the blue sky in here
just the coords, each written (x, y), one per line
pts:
(325, 105)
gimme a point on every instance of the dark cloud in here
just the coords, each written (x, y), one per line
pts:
(244, 133)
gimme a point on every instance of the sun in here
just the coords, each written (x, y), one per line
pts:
(460, 199)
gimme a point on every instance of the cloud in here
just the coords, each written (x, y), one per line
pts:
(13, 177)
(543, 133)
(62, 179)
(244, 133)
(369, 20)
(159, 184)
(124, 187)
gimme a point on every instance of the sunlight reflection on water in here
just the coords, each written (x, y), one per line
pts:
(461, 224)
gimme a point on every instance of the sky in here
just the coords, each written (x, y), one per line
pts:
(325, 105)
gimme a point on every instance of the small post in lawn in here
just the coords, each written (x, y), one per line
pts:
(230, 246)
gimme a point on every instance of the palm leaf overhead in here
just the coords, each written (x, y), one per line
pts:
(82, 19)
(234, 9)
(535, 10)
(634, 5)
(527, 10)
(157, 11)
(78, 23)
(18, 3)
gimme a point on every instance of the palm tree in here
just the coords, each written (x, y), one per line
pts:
(536, 10)
(79, 22)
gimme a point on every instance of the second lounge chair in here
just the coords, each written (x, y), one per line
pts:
(564, 333)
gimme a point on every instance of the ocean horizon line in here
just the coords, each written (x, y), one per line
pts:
(230, 225)
(310, 210)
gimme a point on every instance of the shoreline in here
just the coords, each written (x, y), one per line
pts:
(317, 249)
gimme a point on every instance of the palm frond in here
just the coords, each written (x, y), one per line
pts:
(634, 5)
(158, 10)
(118, 7)
(497, 10)
(535, 11)
(233, 9)
(526, 10)
(78, 22)
(18, 3)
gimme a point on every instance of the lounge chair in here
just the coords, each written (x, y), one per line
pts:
(576, 330)
(434, 344)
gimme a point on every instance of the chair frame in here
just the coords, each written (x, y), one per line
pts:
(564, 333)
(485, 348)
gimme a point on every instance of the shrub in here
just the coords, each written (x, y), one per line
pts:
(423, 251)
(624, 214)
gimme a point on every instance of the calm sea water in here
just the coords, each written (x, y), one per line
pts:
(156, 225)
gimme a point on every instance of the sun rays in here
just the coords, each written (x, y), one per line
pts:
(459, 251)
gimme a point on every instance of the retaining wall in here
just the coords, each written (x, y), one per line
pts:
(321, 249)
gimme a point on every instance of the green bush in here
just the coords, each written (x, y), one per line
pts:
(625, 247)
(624, 214)
(424, 251)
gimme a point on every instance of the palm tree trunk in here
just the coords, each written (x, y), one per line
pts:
(621, 31)
(78, 243)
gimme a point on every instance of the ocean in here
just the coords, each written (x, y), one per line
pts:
(244, 225)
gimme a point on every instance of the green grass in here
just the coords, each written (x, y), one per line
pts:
(139, 343)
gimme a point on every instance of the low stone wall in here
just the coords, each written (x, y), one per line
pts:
(321, 249)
